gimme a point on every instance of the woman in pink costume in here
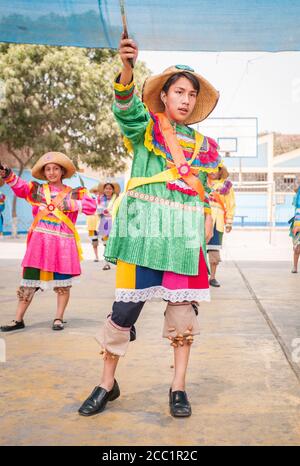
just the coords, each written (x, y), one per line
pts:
(53, 251)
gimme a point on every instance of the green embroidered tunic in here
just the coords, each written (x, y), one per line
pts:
(159, 225)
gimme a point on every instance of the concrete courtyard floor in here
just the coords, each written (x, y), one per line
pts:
(244, 375)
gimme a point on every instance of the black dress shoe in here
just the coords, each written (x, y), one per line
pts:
(179, 404)
(97, 400)
(15, 325)
(214, 282)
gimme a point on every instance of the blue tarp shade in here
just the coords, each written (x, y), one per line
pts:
(196, 25)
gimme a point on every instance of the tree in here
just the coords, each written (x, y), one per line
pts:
(59, 98)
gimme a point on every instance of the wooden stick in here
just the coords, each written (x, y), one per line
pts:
(125, 29)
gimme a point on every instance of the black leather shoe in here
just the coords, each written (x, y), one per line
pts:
(214, 282)
(179, 404)
(97, 400)
(15, 325)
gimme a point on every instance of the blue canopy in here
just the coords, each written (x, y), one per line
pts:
(196, 25)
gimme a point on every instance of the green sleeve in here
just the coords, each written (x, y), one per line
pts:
(130, 112)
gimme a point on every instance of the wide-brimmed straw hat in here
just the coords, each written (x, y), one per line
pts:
(116, 186)
(94, 189)
(53, 157)
(206, 101)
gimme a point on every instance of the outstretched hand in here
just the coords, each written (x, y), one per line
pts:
(4, 170)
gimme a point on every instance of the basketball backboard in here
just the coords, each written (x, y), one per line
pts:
(237, 137)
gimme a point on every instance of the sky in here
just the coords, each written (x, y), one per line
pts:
(257, 84)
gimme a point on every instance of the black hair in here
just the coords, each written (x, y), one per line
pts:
(110, 184)
(183, 74)
(64, 171)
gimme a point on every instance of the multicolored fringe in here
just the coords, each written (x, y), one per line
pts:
(33, 277)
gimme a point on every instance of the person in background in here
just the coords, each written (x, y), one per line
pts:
(53, 252)
(295, 230)
(108, 192)
(222, 202)
(92, 222)
(2, 208)
(159, 234)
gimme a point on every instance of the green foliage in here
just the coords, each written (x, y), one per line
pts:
(59, 98)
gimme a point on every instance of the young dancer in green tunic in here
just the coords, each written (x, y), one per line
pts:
(158, 239)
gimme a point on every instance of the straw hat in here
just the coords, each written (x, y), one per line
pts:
(94, 189)
(206, 101)
(116, 186)
(53, 157)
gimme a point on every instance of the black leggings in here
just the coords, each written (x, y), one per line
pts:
(126, 315)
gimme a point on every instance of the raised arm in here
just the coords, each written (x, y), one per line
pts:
(20, 187)
(130, 113)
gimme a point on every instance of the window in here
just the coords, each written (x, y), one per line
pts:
(261, 177)
(289, 179)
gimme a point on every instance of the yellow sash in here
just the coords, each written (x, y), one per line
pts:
(111, 203)
(167, 175)
(54, 202)
(59, 214)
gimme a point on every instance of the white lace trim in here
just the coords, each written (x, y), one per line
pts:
(50, 285)
(129, 295)
(213, 247)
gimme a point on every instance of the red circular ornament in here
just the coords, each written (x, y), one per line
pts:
(51, 207)
(184, 169)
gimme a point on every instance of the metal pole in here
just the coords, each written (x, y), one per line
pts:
(272, 210)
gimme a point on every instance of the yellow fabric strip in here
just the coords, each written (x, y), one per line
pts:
(199, 138)
(120, 87)
(70, 224)
(92, 222)
(66, 220)
(125, 275)
(46, 276)
(167, 175)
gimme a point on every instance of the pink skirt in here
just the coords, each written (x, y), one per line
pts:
(52, 253)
